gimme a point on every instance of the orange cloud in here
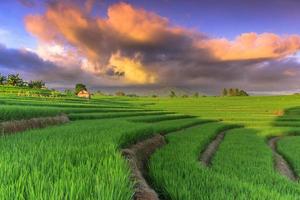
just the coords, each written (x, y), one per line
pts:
(136, 24)
(253, 46)
(37, 25)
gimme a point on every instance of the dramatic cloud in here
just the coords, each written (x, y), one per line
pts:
(134, 46)
(29, 62)
(32, 66)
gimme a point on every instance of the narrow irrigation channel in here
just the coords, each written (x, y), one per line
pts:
(281, 164)
(206, 156)
(208, 153)
(138, 156)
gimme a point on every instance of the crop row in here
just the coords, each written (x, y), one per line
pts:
(79, 160)
(241, 169)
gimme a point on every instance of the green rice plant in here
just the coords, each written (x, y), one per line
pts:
(288, 147)
(246, 156)
(21, 112)
(82, 160)
(158, 118)
(79, 160)
(241, 169)
(81, 116)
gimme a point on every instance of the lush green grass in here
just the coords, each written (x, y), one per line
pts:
(289, 148)
(177, 173)
(241, 169)
(82, 160)
(244, 160)
(24, 91)
(21, 112)
(14, 108)
(244, 155)
(80, 116)
(157, 118)
(246, 110)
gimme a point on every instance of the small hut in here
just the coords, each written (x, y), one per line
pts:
(84, 94)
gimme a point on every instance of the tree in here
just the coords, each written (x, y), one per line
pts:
(243, 93)
(132, 95)
(172, 94)
(38, 84)
(79, 87)
(236, 92)
(196, 94)
(15, 80)
(224, 93)
(231, 92)
(120, 94)
(2, 79)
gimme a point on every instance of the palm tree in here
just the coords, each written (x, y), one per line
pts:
(14, 80)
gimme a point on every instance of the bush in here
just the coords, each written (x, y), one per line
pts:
(172, 94)
(234, 92)
(120, 93)
(39, 84)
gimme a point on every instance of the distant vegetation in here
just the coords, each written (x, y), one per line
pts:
(120, 93)
(16, 80)
(172, 94)
(234, 92)
(14, 84)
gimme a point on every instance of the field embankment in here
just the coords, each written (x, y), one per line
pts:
(14, 126)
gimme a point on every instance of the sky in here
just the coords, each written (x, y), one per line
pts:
(204, 45)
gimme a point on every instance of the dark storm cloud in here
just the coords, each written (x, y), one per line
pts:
(28, 62)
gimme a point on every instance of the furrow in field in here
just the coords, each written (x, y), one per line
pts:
(211, 149)
(280, 163)
(138, 155)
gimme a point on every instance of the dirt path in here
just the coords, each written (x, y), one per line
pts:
(138, 156)
(280, 163)
(211, 149)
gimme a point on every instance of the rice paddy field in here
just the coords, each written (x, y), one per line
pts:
(83, 159)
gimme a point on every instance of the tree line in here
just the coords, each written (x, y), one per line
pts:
(17, 81)
(234, 92)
